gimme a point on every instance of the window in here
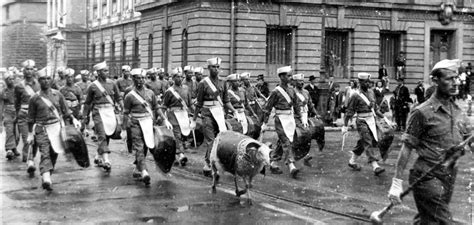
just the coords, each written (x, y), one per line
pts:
(7, 12)
(166, 47)
(336, 59)
(389, 49)
(124, 49)
(102, 51)
(150, 51)
(104, 8)
(279, 45)
(93, 53)
(136, 53)
(184, 48)
(114, 7)
(95, 11)
(112, 51)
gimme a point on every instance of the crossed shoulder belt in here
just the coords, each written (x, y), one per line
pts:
(139, 115)
(283, 112)
(103, 105)
(365, 114)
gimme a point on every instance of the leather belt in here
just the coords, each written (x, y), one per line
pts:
(284, 112)
(365, 115)
(177, 108)
(103, 105)
(251, 102)
(47, 122)
(140, 115)
(240, 110)
(211, 103)
(24, 106)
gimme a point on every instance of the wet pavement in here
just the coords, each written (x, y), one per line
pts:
(327, 193)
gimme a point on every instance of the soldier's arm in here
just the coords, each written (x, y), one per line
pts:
(226, 99)
(350, 111)
(296, 105)
(17, 94)
(87, 102)
(31, 114)
(199, 100)
(410, 140)
(117, 97)
(64, 107)
(1, 108)
(126, 112)
(269, 106)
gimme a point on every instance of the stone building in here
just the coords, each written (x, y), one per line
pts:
(23, 32)
(317, 37)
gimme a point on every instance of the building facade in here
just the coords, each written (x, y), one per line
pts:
(23, 32)
(336, 38)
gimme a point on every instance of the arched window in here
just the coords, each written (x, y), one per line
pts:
(150, 50)
(184, 47)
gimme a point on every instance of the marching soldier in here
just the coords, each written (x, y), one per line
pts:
(433, 128)
(190, 82)
(125, 81)
(102, 97)
(24, 90)
(212, 96)
(306, 108)
(72, 93)
(287, 107)
(46, 111)
(177, 99)
(138, 115)
(8, 115)
(363, 103)
(157, 86)
(60, 81)
(239, 101)
(198, 73)
(252, 94)
(85, 82)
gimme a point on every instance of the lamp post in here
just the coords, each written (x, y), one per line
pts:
(58, 41)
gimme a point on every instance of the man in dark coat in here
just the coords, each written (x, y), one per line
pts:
(420, 92)
(313, 90)
(262, 86)
(401, 104)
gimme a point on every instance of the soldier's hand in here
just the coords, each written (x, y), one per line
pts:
(192, 125)
(76, 123)
(123, 134)
(264, 127)
(305, 124)
(168, 125)
(344, 130)
(395, 191)
(30, 138)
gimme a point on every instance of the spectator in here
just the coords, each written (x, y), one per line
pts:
(262, 86)
(313, 90)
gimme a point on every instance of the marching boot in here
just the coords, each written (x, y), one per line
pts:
(98, 160)
(293, 170)
(307, 160)
(206, 170)
(182, 159)
(274, 168)
(145, 177)
(47, 184)
(16, 152)
(107, 165)
(352, 162)
(377, 169)
(31, 167)
(136, 173)
(10, 155)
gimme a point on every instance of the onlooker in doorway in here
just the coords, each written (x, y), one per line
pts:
(420, 92)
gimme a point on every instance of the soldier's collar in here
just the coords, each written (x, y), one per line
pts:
(436, 103)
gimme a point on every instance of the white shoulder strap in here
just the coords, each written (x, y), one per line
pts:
(300, 96)
(234, 95)
(52, 107)
(366, 100)
(213, 88)
(28, 89)
(101, 89)
(283, 92)
(142, 101)
(176, 95)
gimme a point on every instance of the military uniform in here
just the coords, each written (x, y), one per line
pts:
(141, 122)
(285, 128)
(42, 115)
(432, 129)
(192, 86)
(99, 102)
(210, 105)
(23, 92)
(178, 114)
(364, 116)
(74, 98)
(9, 115)
(123, 84)
(158, 87)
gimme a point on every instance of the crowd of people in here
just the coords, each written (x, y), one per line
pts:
(38, 103)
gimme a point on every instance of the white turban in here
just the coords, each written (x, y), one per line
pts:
(363, 76)
(214, 61)
(100, 66)
(449, 64)
(285, 69)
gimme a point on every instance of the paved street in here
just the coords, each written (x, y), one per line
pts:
(329, 192)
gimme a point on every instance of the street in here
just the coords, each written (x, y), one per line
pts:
(327, 193)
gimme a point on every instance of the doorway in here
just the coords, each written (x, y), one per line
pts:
(442, 46)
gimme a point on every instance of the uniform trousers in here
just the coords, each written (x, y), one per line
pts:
(102, 139)
(138, 145)
(48, 155)
(364, 144)
(286, 151)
